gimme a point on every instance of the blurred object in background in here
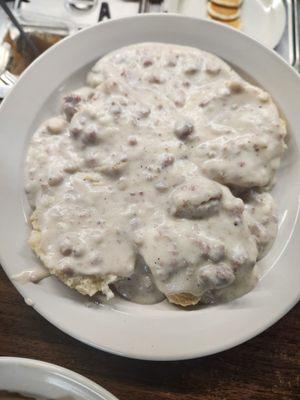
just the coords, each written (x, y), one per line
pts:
(226, 11)
(20, 59)
(264, 20)
(48, 21)
(76, 14)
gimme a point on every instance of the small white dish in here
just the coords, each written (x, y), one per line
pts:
(39, 379)
(161, 331)
(264, 20)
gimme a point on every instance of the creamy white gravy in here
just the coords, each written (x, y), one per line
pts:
(140, 287)
(140, 165)
(31, 276)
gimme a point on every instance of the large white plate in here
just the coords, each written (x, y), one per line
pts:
(264, 20)
(162, 331)
(37, 378)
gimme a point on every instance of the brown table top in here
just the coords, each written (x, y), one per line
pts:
(266, 367)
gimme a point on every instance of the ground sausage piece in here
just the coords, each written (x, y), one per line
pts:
(183, 129)
(195, 200)
(70, 105)
(215, 276)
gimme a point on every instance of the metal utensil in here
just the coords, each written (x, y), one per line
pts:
(294, 51)
(143, 6)
(8, 78)
(14, 20)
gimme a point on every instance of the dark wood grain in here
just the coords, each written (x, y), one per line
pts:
(267, 367)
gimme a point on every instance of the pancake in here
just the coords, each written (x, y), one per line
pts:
(236, 23)
(228, 3)
(222, 13)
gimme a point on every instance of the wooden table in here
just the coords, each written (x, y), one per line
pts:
(267, 367)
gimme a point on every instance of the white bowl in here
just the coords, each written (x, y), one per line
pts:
(161, 331)
(37, 378)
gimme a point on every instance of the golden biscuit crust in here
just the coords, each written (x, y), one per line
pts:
(183, 299)
(86, 285)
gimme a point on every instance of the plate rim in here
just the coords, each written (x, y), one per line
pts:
(50, 368)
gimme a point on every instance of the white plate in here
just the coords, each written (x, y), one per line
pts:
(264, 20)
(37, 378)
(162, 331)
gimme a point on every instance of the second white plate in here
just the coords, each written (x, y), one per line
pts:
(44, 380)
(264, 20)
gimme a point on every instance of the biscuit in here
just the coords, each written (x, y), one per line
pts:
(86, 285)
(183, 299)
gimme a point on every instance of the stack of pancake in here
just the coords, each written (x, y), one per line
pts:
(226, 11)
